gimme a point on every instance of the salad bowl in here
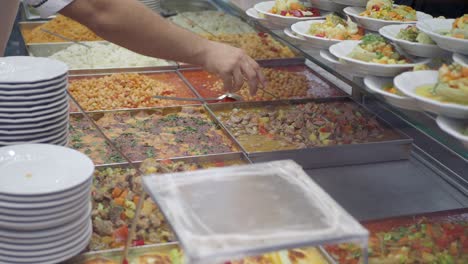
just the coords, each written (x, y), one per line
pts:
(460, 59)
(376, 85)
(409, 82)
(302, 29)
(436, 28)
(343, 49)
(374, 24)
(413, 48)
(457, 128)
(264, 8)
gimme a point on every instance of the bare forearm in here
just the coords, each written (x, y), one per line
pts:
(130, 24)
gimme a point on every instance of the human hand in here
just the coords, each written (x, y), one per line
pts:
(233, 66)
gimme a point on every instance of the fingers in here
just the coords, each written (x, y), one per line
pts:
(227, 82)
(238, 79)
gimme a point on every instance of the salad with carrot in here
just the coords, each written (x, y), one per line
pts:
(374, 48)
(460, 28)
(294, 8)
(385, 10)
(335, 27)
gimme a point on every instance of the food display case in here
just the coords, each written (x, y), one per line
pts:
(377, 160)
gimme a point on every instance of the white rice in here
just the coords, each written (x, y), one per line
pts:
(104, 55)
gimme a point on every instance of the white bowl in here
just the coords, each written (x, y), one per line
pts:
(328, 5)
(377, 84)
(34, 169)
(454, 127)
(58, 220)
(302, 29)
(251, 12)
(52, 244)
(342, 50)
(434, 27)
(413, 48)
(54, 255)
(297, 40)
(53, 105)
(351, 2)
(340, 66)
(59, 89)
(375, 24)
(460, 59)
(33, 122)
(408, 82)
(265, 7)
(25, 69)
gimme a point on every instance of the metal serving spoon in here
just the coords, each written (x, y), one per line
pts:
(232, 96)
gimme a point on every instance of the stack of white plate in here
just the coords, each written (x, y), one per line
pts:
(153, 4)
(33, 101)
(45, 207)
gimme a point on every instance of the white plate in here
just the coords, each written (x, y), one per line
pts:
(343, 49)
(25, 69)
(28, 114)
(328, 5)
(77, 227)
(33, 88)
(413, 48)
(265, 7)
(338, 65)
(53, 105)
(58, 89)
(298, 40)
(49, 131)
(55, 255)
(374, 24)
(81, 209)
(433, 27)
(32, 103)
(377, 84)
(33, 122)
(460, 59)
(82, 198)
(49, 140)
(35, 131)
(45, 198)
(302, 29)
(454, 127)
(61, 141)
(408, 82)
(71, 236)
(351, 2)
(33, 169)
(38, 207)
(41, 236)
(251, 12)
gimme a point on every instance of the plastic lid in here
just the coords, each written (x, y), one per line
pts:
(227, 213)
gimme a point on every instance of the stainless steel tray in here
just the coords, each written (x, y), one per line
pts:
(114, 256)
(48, 49)
(318, 157)
(96, 115)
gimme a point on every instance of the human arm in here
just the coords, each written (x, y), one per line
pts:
(130, 24)
(8, 13)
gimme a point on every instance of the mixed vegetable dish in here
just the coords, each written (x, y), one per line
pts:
(374, 48)
(459, 28)
(452, 85)
(335, 27)
(385, 10)
(293, 8)
(412, 34)
(424, 242)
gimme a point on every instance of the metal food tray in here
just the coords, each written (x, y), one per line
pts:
(190, 92)
(319, 157)
(96, 115)
(48, 49)
(114, 256)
